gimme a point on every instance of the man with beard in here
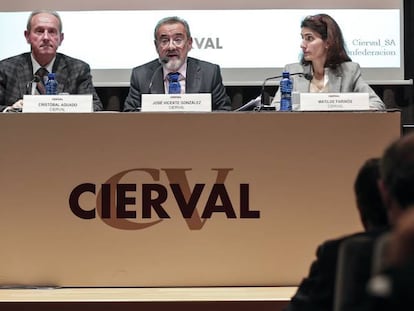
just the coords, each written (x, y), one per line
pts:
(173, 41)
(44, 34)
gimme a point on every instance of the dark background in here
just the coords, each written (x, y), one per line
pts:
(394, 96)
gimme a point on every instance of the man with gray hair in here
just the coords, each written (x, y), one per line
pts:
(174, 71)
(17, 73)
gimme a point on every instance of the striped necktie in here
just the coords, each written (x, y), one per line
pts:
(174, 86)
(40, 86)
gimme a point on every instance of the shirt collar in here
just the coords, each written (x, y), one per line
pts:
(36, 65)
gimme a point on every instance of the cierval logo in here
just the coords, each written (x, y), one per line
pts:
(112, 199)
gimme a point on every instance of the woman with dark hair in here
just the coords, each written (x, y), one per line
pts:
(325, 63)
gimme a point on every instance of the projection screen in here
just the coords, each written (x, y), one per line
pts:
(249, 40)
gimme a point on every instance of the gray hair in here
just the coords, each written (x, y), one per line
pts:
(172, 20)
(54, 13)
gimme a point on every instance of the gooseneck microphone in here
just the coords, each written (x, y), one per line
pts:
(258, 103)
(30, 87)
(163, 61)
(308, 72)
(308, 76)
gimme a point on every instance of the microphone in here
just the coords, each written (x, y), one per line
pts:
(307, 76)
(163, 61)
(30, 87)
(307, 73)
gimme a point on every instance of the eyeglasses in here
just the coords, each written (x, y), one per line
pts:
(177, 42)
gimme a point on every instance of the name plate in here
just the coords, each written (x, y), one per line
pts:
(333, 101)
(196, 102)
(58, 103)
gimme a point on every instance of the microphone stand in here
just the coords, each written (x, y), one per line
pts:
(262, 94)
(163, 61)
(36, 79)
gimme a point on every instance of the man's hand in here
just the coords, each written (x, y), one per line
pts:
(18, 104)
(16, 107)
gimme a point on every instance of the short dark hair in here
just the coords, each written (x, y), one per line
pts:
(397, 170)
(330, 32)
(368, 197)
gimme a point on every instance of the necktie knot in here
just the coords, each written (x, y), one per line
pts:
(174, 85)
(173, 76)
(42, 73)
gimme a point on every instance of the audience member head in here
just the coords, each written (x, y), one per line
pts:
(44, 34)
(397, 176)
(173, 41)
(322, 41)
(370, 206)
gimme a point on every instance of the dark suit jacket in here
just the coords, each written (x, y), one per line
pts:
(316, 291)
(202, 77)
(73, 76)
